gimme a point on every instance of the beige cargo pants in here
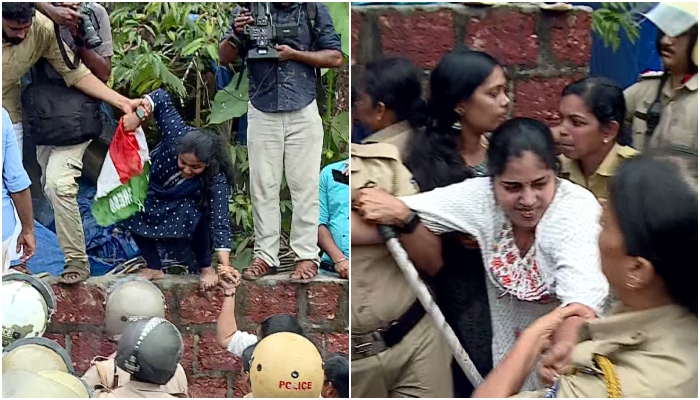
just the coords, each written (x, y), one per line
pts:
(289, 142)
(61, 166)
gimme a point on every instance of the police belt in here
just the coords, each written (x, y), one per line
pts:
(373, 343)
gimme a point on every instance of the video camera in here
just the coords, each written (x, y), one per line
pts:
(263, 34)
(87, 27)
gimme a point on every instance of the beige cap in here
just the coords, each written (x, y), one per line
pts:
(286, 365)
(674, 18)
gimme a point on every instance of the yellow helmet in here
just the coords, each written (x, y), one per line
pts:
(17, 384)
(36, 355)
(286, 365)
(674, 18)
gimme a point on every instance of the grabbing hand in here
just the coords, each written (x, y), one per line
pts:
(343, 269)
(554, 362)
(285, 53)
(243, 19)
(63, 14)
(379, 207)
(26, 244)
(230, 278)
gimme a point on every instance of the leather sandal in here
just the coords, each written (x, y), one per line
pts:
(257, 269)
(82, 275)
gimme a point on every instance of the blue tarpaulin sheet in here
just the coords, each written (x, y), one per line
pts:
(106, 247)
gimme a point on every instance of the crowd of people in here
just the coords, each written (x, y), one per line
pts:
(563, 257)
(56, 62)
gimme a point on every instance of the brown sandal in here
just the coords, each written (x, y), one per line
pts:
(306, 267)
(82, 275)
(257, 269)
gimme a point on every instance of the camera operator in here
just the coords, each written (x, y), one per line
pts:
(284, 125)
(60, 119)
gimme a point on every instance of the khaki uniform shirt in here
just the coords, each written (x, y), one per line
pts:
(17, 60)
(654, 354)
(380, 293)
(598, 182)
(135, 390)
(175, 386)
(399, 135)
(678, 125)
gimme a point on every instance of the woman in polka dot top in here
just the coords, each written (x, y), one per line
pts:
(187, 206)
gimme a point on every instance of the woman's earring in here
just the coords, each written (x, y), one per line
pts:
(459, 111)
(606, 140)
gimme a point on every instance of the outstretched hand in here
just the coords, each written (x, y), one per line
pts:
(229, 278)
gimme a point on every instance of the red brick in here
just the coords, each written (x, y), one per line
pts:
(355, 27)
(213, 357)
(207, 387)
(507, 35)
(317, 339)
(168, 304)
(80, 304)
(539, 98)
(423, 37)
(241, 387)
(337, 342)
(197, 307)
(188, 353)
(57, 337)
(571, 38)
(323, 302)
(263, 301)
(86, 346)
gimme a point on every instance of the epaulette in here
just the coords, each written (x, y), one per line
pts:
(627, 152)
(651, 75)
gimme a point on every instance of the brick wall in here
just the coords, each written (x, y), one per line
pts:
(320, 306)
(543, 50)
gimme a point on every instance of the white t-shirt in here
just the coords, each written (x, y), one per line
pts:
(241, 341)
(562, 267)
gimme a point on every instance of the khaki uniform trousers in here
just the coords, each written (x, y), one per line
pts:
(418, 366)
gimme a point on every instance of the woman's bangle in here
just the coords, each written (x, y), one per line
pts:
(339, 261)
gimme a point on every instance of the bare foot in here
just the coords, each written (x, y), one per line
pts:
(208, 278)
(152, 274)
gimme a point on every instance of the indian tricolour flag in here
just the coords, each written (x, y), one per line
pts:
(123, 181)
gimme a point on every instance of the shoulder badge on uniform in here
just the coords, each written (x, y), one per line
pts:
(651, 75)
(627, 152)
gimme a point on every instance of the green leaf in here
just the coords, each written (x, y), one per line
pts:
(230, 103)
(192, 47)
(340, 13)
(213, 52)
(243, 260)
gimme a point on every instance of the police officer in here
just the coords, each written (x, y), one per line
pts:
(129, 300)
(28, 305)
(396, 350)
(150, 350)
(35, 355)
(663, 106)
(20, 384)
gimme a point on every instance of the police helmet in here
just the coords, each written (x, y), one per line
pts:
(287, 365)
(35, 355)
(150, 350)
(18, 383)
(28, 305)
(130, 300)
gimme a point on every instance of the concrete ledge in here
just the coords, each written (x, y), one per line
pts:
(321, 307)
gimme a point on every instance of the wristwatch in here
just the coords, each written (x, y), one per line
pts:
(410, 224)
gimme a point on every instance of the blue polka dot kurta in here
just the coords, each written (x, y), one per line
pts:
(173, 206)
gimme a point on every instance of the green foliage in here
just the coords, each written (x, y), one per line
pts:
(610, 18)
(158, 45)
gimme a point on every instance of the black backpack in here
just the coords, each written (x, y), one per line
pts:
(54, 114)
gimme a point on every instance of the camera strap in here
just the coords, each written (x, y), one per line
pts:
(62, 48)
(311, 12)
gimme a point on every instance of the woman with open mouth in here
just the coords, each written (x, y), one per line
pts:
(469, 99)
(537, 233)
